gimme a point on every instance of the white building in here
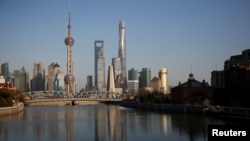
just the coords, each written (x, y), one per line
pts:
(163, 75)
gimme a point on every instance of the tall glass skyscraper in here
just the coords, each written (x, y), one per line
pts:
(5, 71)
(99, 65)
(145, 78)
(133, 74)
(122, 54)
(89, 85)
(19, 79)
(38, 80)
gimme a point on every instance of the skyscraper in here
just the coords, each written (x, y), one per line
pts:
(122, 53)
(163, 75)
(69, 78)
(5, 71)
(55, 78)
(19, 79)
(38, 80)
(133, 74)
(116, 63)
(27, 79)
(145, 78)
(89, 86)
(99, 65)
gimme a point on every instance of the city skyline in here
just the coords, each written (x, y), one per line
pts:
(171, 34)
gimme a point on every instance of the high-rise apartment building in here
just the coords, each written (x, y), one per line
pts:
(38, 80)
(99, 65)
(163, 75)
(122, 53)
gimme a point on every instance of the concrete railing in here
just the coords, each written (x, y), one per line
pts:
(11, 110)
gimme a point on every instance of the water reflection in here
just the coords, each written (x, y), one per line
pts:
(102, 123)
(69, 123)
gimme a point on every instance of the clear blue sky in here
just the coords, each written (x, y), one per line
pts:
(175, 34)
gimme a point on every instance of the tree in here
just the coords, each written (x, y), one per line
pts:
(8, 97)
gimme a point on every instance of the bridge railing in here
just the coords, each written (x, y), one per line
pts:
(42, 95)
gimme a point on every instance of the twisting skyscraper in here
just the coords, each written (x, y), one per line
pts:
(122, 53)
(69, 78)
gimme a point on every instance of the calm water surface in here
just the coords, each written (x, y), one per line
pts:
(103, 123)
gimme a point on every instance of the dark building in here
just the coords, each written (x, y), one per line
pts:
(218, 79)
(89, 86)
(236, 81)
(192, 92)
(145, 78)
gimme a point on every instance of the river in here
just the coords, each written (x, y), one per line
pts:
(103, 123)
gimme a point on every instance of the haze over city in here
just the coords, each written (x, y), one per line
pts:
(163, 33)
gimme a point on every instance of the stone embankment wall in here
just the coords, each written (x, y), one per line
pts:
(11, 110)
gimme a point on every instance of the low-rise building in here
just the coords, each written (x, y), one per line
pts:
(192, 92)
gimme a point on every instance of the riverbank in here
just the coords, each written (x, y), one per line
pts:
(161, 107)
(219, 112)
(11, 110)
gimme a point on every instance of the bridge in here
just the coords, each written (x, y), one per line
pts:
(65, 98)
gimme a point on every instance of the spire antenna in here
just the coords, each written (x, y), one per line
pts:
(69, 26)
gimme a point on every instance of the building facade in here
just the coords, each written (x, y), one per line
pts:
(19, 80)
(145, 78)
(55, 79)
(99, 65)
(122, 54)
(133, 86)
(133, 74)
(163, 75)
(89, 85)
(156, 84)
(116, 63)
(38, 79)
(218, 78)
(242, 59)
(59, 82)
(192, 92)
(5, 71)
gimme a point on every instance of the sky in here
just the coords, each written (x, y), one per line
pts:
(182, 35)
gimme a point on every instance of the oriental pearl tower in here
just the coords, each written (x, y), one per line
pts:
(69, 79)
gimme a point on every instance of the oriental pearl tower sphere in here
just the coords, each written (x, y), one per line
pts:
(69, 78)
